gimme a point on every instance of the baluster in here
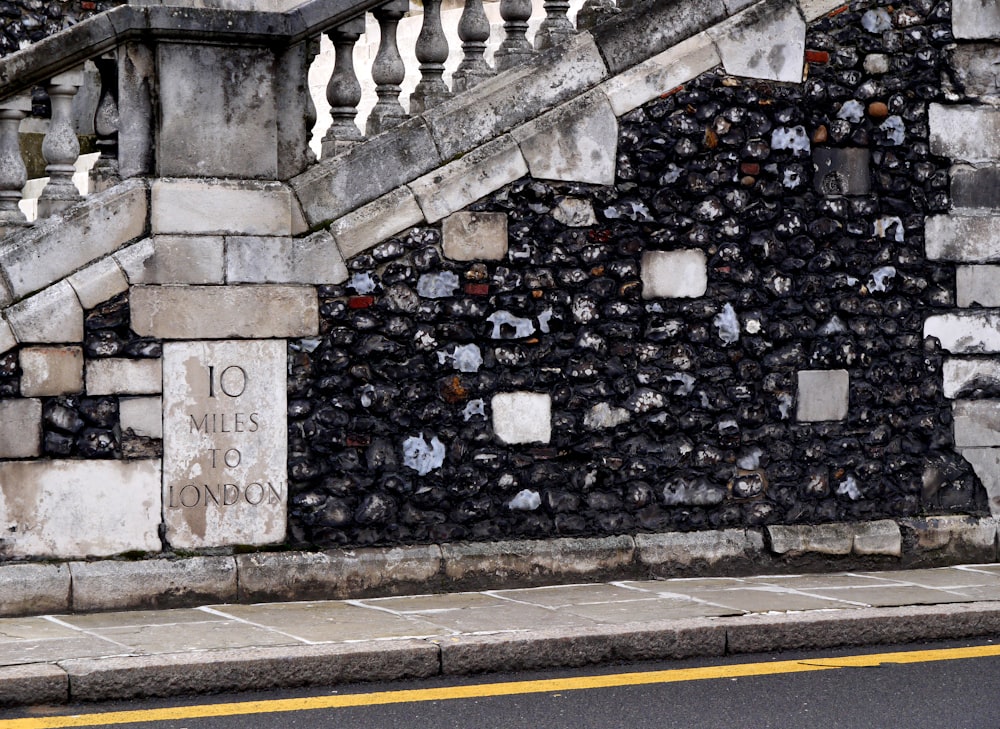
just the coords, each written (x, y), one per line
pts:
(105, 173)
(344, 91)
(555, 28)
(474, 30)
(515, 47)
(432, 52)
(60, 148)
(13, 174)
(388, 70)
(594, 12)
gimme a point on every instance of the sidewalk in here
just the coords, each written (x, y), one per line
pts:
(57, 658)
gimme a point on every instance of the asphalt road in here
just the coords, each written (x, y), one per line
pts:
(957, 689)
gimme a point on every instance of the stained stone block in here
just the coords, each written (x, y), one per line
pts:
(842, 171)
(475, 236)
(797, 539)
(766, 41)
(973, 332)
(969, 376)
(20, 428)
(371, 224)
(218, 207)
(175, 259)
(878, 538)
(256, 259)
(224, 443)
(51, 371)
(963, 238)
(79, 508)
(974, 66)
(7, 339)
(822, 395)
(98, 282)
(973, 187)
(114, 376)
(977, 423)
(986, 465)
(965, 133)
(977, 285)
(522, 417)
(674, 274)
(52, 315)
(142, 415)
(975, 19)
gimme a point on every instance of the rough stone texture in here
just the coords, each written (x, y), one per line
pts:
(98, 282)
(794, 540)
(33, 684)
(674, 274)
(220, 207)
(965, 133)
(358, 231)
(215, 312)
(963, 238)
(976, 332)
(974, 69)
(522, 417)
(30, 589)
(313, 260)
(813, 9)
(973, 187)
(7, 339)
(971, 377)
(474, 237)
(986, 463)
(124, 377)
(730, 547)
(842, 171)
(972, 19)
(153, 583)
(977, 423)
(880, 538)
(141, 415)
(49, 371)
(337, 573)
(52, 315)
(174, 259)
(822, 395)
(977, 286)
(224, 443)
(20, 428)
(953, 539)
(766, 41)
(47, 507)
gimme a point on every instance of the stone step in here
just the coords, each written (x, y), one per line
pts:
(967, 237)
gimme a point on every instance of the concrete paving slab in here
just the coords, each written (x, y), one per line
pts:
(50, 651)
(941, 577)
(194, 637)
(644, 611)
(425, 603)
(14, 629)
(884, 596)
(181, 616)
(503, 618)
(695, 583)
(805, 582)
(764, 599)
(561, 595)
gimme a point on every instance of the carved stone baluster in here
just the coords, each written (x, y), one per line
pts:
(556, 27)
(596, 11)
(105, 173)
(13, 174)
(515, 48)
(474, 30)
(60, 147)
(344, 91)
(432, 52)
(388, 70)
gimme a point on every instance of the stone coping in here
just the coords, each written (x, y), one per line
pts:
(78, 586)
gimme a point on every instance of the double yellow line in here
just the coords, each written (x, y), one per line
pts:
(509, 688)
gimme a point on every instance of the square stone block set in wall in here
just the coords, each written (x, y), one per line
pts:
(244, 234)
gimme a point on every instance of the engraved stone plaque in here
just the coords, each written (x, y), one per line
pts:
(225, 443)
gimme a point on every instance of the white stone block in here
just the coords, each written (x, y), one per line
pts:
(674, 274)
(972, 332)
(975, 19)
(976, 423)
(575, 212)
(220, 207)
(796, 539)
(970, 373)
(965, 133)
(51, 371)
(142, 415)
(225, 443)
(813, 9)
(223, 312)
(312, 260)
(522, 417)
(661, 73)
(707, 547)
(20, 428)
(469, 178)
(766, 41)
(963, 238)
(881, 537)
(977, 285)
(380, 219)
(986, 465)
(79, 508)
(822, 395)
(98, 282)
(116, 376)
(52, 315)
(175, 259)
(475, 236)
(7, 339)
(576, 142)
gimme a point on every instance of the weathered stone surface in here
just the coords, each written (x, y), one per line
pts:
(116, 376)
(674, 274)
(30, 589)
(975, 187)
(478, 173)
(974, 69)
(58, 246)
(20, 428)
(635, 86)
(575, 212)
(842, 171)
(217, 312)
(766, 41)
(47, 508)
(33, 684)
(966, 332)
(475, 236)
(689, 549)
(522, 417)
(881, 538)
(141, 415)
(219, 207)
(98, 282)
(52, 315)
(798, 539)
(7, 339)
(822, 395)
(51, 371)
(965, 537)
(977, 423)
(312, 260)
(965, 133)
(977, 286)
(973, 19)
(224, 443)
(963, 238)
(153, 583)
(986, 463)
(174, 259)
(969, 375)
(575, 142)
(368, 226)
(813, 9)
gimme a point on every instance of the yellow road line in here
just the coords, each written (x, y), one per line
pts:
(500, 689)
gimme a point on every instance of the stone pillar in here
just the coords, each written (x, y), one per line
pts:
(61, 147)
(344, 91)
(12, 171)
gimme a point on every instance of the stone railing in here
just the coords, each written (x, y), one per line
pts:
(145, 60)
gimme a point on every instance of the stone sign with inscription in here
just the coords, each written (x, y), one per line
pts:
(224, 443)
